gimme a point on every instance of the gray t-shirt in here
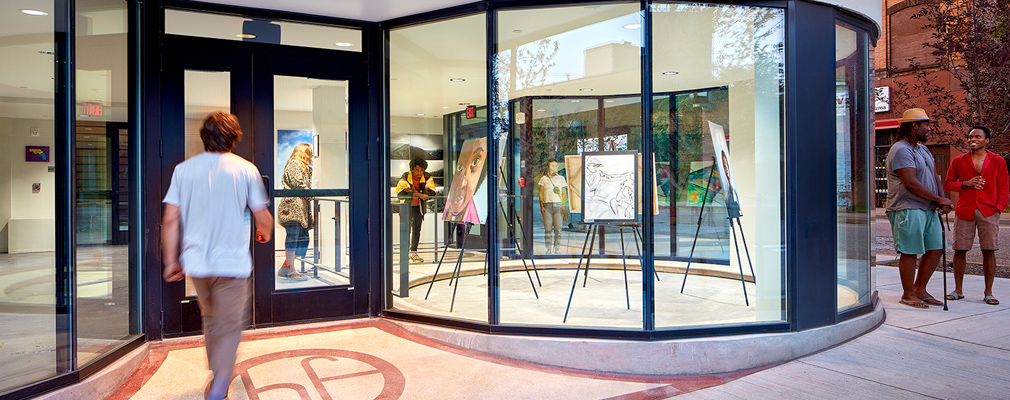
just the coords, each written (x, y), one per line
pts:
(214, 193)
(904, 155)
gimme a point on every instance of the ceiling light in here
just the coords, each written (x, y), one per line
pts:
(33, 12)
(575, 101)
(445, 107)
(633, 26)
(608, 101)
(456, 80)
(586, 89)
(246, 36)
(671, 73)
(83, 116)
(343, 44)
(419, 115)
(541, 110)
(517, 31)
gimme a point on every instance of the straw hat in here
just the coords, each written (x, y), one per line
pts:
(914, 115)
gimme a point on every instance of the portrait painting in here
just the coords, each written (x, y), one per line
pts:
(286, 142)
(467, 199)
(723, 165)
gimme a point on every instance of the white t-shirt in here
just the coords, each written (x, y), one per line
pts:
(214, 193)
(547, 185)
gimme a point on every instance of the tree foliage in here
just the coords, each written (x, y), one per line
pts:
(971, 40)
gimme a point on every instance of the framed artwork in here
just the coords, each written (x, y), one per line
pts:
(609, 186)
(573, 168)
(723, 165)
(467, 199)
(286, 142)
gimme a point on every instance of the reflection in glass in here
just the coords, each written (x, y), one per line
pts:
(228, 27)
(29, 324)
(719, 83)
(438, 144)
(569, 80)
(310, 136)
(852, 144)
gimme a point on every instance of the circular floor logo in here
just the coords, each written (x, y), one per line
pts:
(321, 371)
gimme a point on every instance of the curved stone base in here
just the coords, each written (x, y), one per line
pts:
(698, 356)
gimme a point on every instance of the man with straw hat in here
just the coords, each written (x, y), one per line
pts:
(913, 195)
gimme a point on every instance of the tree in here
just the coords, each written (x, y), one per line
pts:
(970, 40)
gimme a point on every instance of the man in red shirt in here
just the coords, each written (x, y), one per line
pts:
(981, 177)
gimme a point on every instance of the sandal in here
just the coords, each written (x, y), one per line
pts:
(990, 300)
(955, 296)
(932, 301)
(914, 304)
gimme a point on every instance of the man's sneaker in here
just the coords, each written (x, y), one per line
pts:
(416, 258)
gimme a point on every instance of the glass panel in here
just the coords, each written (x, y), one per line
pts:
(853, 176)
(228, 27)
(718, 173)
(103, 240)
(204, 93)
(438, 121)
(310, 134)
(28, 322)
(573, 78)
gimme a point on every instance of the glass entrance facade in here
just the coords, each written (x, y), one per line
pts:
(627, 170)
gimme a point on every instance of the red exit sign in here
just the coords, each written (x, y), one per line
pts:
(471, 112)
(93, 109)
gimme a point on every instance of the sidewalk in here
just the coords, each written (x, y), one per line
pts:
(963, 353)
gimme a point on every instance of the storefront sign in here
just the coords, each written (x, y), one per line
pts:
(882, 99)
(37, 153)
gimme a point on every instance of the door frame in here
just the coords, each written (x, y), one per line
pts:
(251, 67)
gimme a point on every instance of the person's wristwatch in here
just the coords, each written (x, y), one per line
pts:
(962, 185)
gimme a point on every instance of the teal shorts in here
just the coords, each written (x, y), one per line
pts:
(915, 231)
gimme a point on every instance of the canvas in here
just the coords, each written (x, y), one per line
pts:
(609, 186)
(723, 165)
(573, 168)
(467, 200)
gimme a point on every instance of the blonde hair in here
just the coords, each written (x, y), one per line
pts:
(302, 153)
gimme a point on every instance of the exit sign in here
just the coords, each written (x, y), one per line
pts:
(93, 109)
(471, 112)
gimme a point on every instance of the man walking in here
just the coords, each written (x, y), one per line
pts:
(207, 211)
(981, 177)
(913, 196)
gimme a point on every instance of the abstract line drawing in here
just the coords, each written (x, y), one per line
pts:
(609, 186)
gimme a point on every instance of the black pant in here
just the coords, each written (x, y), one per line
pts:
(416, 217)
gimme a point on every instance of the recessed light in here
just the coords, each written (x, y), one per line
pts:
(445, 107)
(456, 80)
(464, 104)
(575, 101)
(608, 101)
(343, 44)
(541, 110)
(83, 116)
(670, 73)
(36, 13)
(633, 26)
(246, 36)
(586, 89)
(419, 115)
(517, 31)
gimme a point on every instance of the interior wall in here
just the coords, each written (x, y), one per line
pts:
(31, 219)
(5, 181)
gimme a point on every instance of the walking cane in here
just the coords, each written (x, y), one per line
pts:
(943, 234)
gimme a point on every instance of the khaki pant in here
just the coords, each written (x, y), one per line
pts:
(225, 311)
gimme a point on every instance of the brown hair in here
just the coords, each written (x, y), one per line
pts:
(220, 132)
(302, 153)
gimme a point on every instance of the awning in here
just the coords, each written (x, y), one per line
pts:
(887, 124)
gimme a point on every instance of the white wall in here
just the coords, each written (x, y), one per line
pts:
(33, 213)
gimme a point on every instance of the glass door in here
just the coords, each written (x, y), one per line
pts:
(299, 112)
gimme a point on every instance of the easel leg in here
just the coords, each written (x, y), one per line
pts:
(522, 253)
(585, 277)
(740, 264)
(576, 281)
(459, 267)
(701, 213)
(641, 259)
(746, 251)
(624, 262)
(444, 249)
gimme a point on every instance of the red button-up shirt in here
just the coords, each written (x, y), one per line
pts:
(994, 194)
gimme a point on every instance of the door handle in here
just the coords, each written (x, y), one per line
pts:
(269, 187)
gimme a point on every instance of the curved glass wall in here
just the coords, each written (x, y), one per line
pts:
(717, 79)
(567, 125)
(437, 246)
(852, 160)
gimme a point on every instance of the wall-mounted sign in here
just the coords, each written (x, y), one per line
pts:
(471, 112)
(882, 99)
(93, 109)
(37, 153)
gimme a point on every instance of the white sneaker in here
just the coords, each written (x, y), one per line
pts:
(416, 258)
